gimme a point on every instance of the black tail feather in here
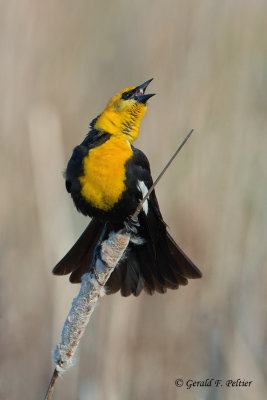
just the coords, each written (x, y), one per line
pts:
(142, 267)
(79, 257)
(186, 266)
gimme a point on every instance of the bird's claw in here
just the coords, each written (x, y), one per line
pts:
(131, 225)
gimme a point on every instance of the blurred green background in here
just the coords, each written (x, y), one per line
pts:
(61, 61)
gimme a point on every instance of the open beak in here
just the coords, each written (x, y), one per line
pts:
(140, 95)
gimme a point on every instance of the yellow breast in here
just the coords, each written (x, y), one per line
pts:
(102, 184)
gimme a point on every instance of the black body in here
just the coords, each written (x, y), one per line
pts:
(154, 261)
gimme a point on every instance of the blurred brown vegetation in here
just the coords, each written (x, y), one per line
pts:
(60, 63)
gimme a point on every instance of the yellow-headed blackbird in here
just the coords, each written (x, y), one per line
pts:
(107, 177)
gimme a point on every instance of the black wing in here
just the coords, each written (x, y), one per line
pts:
(158, 263)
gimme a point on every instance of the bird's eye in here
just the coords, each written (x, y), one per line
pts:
(127, 95)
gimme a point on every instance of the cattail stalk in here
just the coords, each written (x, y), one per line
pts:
(92, 287)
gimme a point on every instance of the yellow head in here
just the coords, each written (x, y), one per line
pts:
(124, 112)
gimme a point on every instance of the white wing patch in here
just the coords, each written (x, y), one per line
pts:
(141, 185)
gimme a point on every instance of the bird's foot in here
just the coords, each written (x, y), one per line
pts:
(131, 225)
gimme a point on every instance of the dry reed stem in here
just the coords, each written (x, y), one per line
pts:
(50, 389)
